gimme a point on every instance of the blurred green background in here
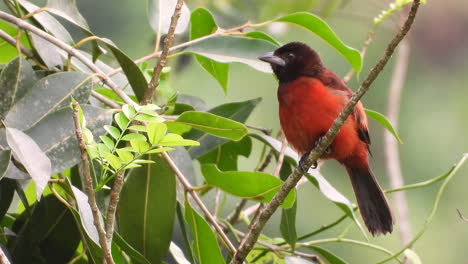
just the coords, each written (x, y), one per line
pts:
(434, 109)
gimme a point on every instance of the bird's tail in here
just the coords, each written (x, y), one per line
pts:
(371, 200)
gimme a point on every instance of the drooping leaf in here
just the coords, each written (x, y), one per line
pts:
(288, 225)
(47, 51)
(202, 23)
(160, 13)
(229, 49)
(5, 156)
(384, 122)
(257, 186)
(147, 209)
(26, 151)
(55, 134)
(205, 246)
(327, 255)
(237, 111)
(46, 96)
(16, 78)
(128, 249)
(319, 27)
(7, 191)
(213, 124)
(86, 214)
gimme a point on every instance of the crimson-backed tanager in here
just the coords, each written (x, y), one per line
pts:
(310, 98)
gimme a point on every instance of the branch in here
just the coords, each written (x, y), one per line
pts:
(89, 187)
(112, 207)
(461, 216)
(70, 50)
(188, 188)
(163, 57)
(256, 226)
(12, 41)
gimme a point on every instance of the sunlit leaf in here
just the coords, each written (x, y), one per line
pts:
(412, 256)
(131, 136)
(156, 132)
(121, 121)
(384, 122)
(113, 131)
(139, 145)
(173, 140)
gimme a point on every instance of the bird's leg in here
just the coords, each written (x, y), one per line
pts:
(303, 160)
(319, 141)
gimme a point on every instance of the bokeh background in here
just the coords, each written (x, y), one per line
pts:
(434, 108)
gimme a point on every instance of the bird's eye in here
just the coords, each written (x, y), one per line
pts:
(291, 56)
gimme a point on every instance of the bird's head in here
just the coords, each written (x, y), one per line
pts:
(293, 60)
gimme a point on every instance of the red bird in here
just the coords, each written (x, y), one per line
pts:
(310, 98)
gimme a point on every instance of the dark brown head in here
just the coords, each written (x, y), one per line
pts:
(293, 60)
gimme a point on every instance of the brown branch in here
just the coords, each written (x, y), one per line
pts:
(112, 207)
(163, 57)
(89, 187)
(105, 100)
(391, 145)
(265, 214)
(70, 50)
(188, 188)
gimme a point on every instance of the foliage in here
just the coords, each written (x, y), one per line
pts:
(152, 146)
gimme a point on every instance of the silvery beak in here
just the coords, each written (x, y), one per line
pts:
(272, 59)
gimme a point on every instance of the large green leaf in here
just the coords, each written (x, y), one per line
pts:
(134, 75)
(7, 51)
(213, 124)
(15, 80)
(129, 250)
(34, 160)
(384, 122)
(202, 23)
(147, 209)
(47, 95)
(234, 49)
(50, 235)
(205, 246)
(237, 111)
(160, 13)
(55, 134)
(257, 186)
(322, 29)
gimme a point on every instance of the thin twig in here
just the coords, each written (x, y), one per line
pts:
(163, 57)
(279, 164)
(112, 208)
(12, 41)
(461, 216)
(70, 50)
(234, 218)
(89, 187)
(105, 100)
(257, 226)
(188, 187)
(391, 145)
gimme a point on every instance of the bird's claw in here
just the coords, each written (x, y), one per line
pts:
(319, 141)
(302, 162)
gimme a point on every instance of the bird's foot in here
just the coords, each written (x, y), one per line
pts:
(319, 141)
(302, 162)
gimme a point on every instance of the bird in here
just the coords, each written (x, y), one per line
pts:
(310, 98)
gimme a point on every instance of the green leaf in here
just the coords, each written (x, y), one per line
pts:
(129, 111)
(412, 256)
(288, 225)
(174, 140)
(159, 150)
(121, 121)
(107, 141)
(384, 122)
(138, 128)
(229, 49)
(131, 136)
(156, 132)
(5, 156)
(48, 95)
(205, 246)
(15, 80)
(55, 134)
(149, 118)
(202, 23)
(124, 155)
(103, 149)
(262, 35)
(160, 13)
(327, 255)
(7, 51)
(113, 131)
(225, 156)
(139, 145)
(237, 111)
(147, 209)
(320, 28)
(113, 160)
(257, 186)
(26, 151)
(129, 250)
(213, 124)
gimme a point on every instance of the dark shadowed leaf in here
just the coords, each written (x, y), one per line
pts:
(26, 151)
(5, 156)
(147, 209)
(48, 95)
(55, 134)
(193, 101)
(225, 156)
(202, 23)
(160, 13)
(213, 124)
(129, 250)
(238, 111)
(327, 255)
(288, 225)
(320, 28)
(7, 190)
(205, 246)
(257, 186)
(16, 78)
(134, 75)
(234, 49)
(384, 122)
